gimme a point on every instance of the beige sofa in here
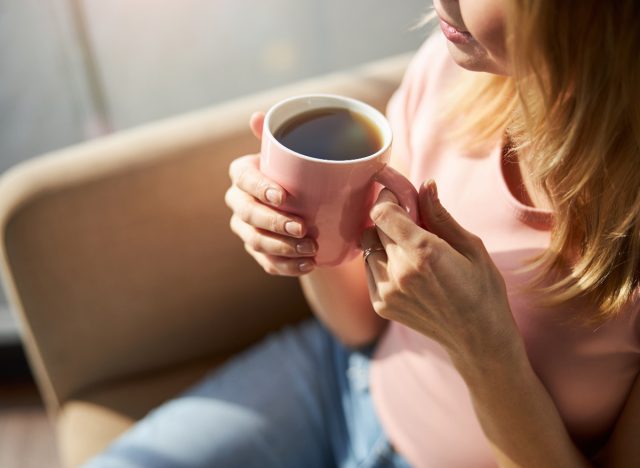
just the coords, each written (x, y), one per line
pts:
(121, 267)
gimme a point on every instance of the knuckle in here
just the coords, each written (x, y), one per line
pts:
(405, 279)
(424, 252)
(381, 310)
(233, 224)
(271, 269)
(377, 212)
(250, 183)
(422, 259)
(237, 228)
(477, 243)
(382, 212)
(275, 224)
(227, 197)
(427, 256)
(384, 311)
(248, 250)
(385, 291)
(233, 169)
(241, 167)
(254, 241)
(241, 175)
(245, 213)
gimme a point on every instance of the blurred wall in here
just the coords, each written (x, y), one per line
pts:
(72, 70)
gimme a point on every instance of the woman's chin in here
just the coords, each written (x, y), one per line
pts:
(473, 58)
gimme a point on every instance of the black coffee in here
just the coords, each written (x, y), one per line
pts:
(331, 133)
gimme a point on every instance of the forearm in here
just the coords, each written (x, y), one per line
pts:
(517, 413)
(339, 298)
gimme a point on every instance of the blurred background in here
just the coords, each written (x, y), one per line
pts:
(72, 70)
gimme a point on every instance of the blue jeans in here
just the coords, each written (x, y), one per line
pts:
(297, 399)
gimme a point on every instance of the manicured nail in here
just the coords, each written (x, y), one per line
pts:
(433, 190)
(294, 228)
(274, 196)
(306, 266)
(306, 247)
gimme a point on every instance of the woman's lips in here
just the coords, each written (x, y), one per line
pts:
(454, 34)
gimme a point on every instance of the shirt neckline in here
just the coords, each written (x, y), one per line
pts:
(537, 218)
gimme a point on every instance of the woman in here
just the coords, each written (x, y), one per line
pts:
(514, 340)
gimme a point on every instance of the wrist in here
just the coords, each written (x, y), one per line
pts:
(505, 357)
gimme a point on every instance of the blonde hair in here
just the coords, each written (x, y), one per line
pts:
(571, 106)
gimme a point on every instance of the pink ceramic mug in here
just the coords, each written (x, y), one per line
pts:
(333, 197)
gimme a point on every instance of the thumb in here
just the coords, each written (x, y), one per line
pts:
(436, 219)
(256, 122)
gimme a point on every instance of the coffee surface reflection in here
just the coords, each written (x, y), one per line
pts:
(335, 134)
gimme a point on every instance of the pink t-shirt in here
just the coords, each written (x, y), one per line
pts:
(422, 401)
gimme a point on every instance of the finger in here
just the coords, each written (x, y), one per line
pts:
(386, 241)
(438, 221)
(394, 222)
(261, 216)
(280, 266)
(411, 250)
(245, 174)
(396, 255)
(256, 122)
(376, 261)
(272, 244)
(370, 240)
(374, 294)
(401, 187)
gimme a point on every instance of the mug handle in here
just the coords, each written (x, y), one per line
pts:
(402, 188)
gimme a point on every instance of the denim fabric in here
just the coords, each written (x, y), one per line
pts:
(298, 399)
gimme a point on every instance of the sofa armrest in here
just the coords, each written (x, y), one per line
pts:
(117, 255)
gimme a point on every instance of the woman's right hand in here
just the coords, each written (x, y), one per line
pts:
(274, 238)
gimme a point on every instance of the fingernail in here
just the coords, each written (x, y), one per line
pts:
(306, 266)
(274, 196)
(306, 247)
(294, 228)
(433, 190)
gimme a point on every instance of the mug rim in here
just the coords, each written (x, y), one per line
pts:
(354, 102)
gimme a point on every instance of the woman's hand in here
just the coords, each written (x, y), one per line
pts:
(275, 239)
(441, 282)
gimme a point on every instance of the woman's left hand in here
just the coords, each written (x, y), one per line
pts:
(439, 281)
